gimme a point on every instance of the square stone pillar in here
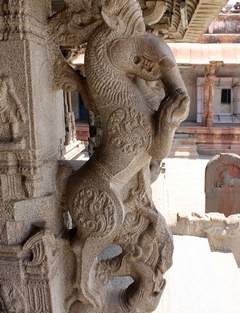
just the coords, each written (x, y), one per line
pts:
(31, 120)
(31, 139)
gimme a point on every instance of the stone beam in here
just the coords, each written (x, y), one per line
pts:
(223, 233)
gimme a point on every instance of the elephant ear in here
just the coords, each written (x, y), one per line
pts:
(110, 12)
(73, 25)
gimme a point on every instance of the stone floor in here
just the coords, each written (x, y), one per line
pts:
(200, 281)
(181, 189)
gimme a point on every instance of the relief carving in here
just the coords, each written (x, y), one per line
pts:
(12, 113)
(40, 267)
(29, 277)
(124, 122)
(95, 211)
(222, 184)
(11, 299)
(138, 94)
(11, 18)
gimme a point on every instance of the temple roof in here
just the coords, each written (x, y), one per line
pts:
(225, 28)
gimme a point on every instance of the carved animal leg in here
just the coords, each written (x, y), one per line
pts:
(173, 110)
(159, 228)
(97, 212)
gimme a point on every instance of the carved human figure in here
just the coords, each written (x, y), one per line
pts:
(12, 113)
(109, 198)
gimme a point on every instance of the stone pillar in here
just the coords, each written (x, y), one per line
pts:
(69, 119)
(236, 96)
(208, 113)
(31, 138)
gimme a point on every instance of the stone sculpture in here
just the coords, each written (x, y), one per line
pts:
(223, 233)
(222, 184)
(122, 246)
(12, 113)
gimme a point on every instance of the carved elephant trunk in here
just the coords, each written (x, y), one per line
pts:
(147, 56)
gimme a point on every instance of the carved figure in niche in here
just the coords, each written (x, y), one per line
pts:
(222, 184)
(109, 198)
(229, 180)
(12, 113)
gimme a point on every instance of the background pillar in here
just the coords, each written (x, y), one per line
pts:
(208, 114)
(236, 96)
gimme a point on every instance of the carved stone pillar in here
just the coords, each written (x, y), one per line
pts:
(208, 114)
(236, 96)
(31, 136)
(69, 119)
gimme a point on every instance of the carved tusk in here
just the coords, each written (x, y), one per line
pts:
(156, 14)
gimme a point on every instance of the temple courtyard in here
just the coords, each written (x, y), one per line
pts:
(196, 269)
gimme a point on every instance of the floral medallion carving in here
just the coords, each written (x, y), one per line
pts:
(94, 210)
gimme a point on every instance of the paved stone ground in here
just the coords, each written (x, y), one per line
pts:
(181, 189)
(200, 281)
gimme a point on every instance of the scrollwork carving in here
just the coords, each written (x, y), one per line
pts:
(94, 210)
(124, 122)
(11, 18)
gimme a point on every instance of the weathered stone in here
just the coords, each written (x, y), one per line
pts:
(31, 276)
(90, 239)
(223, 233)
(31, 138)
(109, 198)
(222, 184)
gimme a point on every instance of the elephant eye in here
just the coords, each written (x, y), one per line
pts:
(136, 60)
